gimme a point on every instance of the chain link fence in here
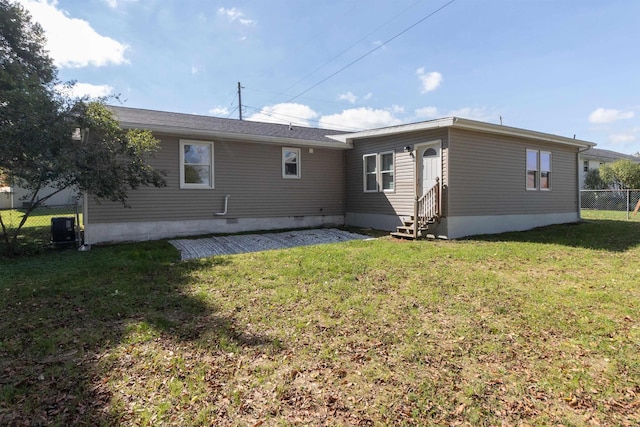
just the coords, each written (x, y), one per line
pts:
(46, 225)
(617, 204)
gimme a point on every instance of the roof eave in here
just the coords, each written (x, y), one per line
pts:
(262, 139)
(460, 123)
(523, 133)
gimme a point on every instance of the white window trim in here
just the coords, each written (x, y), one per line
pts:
(378, 173)
(381, 172)
(364, 173)
(299, 163)
(539, 170)
(526, 170)
(185, 185)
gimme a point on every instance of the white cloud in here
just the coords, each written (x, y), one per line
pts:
(622, 138)
(72, 42)
(219, 111)
(352, 98)
(397, 109)
(359, 118)
(235, 15)
(604, 115)
(285, 113)
(195, 70)
(427, 112)
(429, 81)
(349, 97)
(473, 113)
(115, 3)
(86, 89)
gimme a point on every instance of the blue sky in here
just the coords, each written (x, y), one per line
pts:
(558, 66)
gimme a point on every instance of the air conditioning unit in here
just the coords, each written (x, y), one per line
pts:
(63, 230)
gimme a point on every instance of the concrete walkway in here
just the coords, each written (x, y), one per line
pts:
(243, 243)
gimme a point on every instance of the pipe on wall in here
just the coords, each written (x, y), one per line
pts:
(226, 205)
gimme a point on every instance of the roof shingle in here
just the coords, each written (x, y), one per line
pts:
(157, 120)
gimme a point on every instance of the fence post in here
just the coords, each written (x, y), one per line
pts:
(628, 193)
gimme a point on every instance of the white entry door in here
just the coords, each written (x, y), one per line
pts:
(430, 167)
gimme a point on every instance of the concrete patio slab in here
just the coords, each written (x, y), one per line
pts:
(243, 243)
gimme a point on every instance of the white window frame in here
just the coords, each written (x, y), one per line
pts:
(548, 171)
(539, 170)
(378, 172)
(188, 185)
(374, 173)
(392, 172)
(527, 170)
(298, 163)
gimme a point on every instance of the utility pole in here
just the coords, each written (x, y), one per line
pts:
(240, 100)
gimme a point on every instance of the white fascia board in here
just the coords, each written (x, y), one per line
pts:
(523, 133)
(262, 139)
(459, 123)
(393, 130)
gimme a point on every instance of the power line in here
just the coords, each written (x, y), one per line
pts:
(346, 50)
(345, 104)
(372, 50)
(287, 118)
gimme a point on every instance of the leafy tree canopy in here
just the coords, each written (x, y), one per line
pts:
(48, 138)
(621, 174)
(593, 181)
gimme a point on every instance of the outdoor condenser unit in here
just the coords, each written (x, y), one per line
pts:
(63, 230)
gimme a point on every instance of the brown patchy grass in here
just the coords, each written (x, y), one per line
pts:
(535, 328)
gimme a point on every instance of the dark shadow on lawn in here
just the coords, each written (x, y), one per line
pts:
(608, 235)
(60, 313)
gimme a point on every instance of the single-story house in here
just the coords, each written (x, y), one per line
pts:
(455, 177)
(593, 158)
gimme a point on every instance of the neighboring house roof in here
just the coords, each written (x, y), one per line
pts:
(460, 123)
(214, 127)
(606, 155)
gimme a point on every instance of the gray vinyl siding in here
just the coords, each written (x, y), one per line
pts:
(250, 173)
(487, 176)
(399, 202)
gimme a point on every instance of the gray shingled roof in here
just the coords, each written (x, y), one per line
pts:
(188, 123)
(606, 155)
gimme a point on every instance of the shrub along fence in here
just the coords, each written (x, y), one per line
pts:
(624, 202)
(63, 220)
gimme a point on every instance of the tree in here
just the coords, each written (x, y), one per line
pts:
(593, 181)
(621, 174)
(38, 123)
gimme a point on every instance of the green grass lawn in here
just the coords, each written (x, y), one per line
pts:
(35, 235)
(531, 328)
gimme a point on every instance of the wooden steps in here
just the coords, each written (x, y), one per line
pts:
(405, 231)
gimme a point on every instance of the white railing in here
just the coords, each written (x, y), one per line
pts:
(427, 207)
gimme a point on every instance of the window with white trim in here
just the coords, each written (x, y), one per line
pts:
(386, 171)
(196, 164)
(290, 162)
(370, 162)
(538, 170)
(545, 170)
(379, 172)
